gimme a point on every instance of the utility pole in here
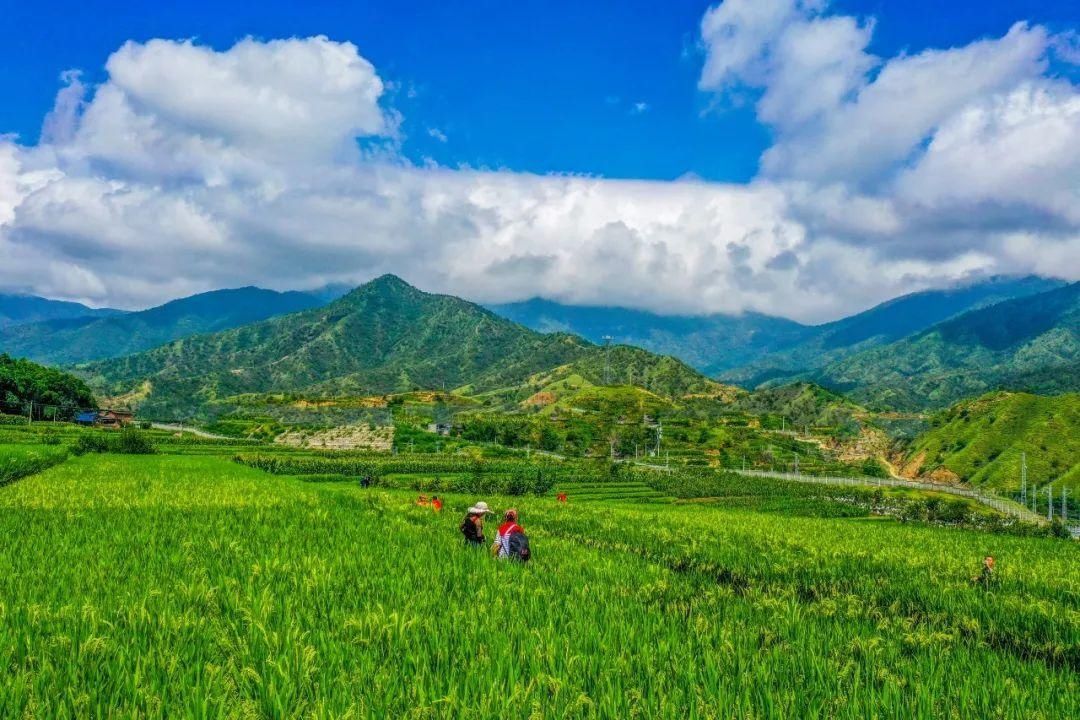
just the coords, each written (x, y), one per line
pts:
(1049, 502)
(607, 359)
(1023, 479)
(1064, 510)
(796, 463)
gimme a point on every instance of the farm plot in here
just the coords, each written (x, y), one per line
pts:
(173, 586)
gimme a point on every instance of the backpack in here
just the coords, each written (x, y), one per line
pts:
(518, 547)
(469, 530)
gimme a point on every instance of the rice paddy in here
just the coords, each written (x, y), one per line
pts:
(188, 585)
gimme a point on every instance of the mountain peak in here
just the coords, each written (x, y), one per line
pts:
(387, 284)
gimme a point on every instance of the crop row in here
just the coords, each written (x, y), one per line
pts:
(19, 461)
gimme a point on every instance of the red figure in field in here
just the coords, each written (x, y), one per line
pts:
(436, 503)
(511, 542)
(561, 497)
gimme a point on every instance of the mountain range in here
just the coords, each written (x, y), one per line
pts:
(924, 350)
(385, 336)
(751, 349)
(1029, 343)
(23, 309)
(98, 335)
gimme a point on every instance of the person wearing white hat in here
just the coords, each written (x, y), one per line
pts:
(472, 527)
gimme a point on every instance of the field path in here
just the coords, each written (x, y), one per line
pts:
(188, 429)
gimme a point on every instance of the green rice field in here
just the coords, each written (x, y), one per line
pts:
(188, 585)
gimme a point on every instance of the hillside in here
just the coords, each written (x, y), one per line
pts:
(22, 309)
(384, 336)
(981, 441)
(620, 374)
(81, 339)
(880, 325)
(1027, 344)
(55, 394)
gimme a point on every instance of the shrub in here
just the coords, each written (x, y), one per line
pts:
(90, 443)
(128, 441)
(132, 442)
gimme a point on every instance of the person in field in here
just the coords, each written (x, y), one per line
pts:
(986, 575)
(511, 543)
(472, 527)
(561, 497)
(436, 503)
(422, 500)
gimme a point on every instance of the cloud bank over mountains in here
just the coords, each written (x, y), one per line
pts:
(275, 163)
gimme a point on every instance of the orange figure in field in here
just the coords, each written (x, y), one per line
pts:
(436, 503)
(561, 497)
(422, 501)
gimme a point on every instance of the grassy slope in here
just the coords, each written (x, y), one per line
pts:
(981, 440)
(197, 587)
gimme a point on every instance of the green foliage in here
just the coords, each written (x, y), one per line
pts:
(22, 381)
(128, 441)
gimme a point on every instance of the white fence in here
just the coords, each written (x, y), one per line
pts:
(1002, 505)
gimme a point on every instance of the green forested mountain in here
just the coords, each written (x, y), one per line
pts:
(23, 382)
(982, 441)
(1026, 344)
(22, 309)
(80, 339)
(384, 337)
(885, 323)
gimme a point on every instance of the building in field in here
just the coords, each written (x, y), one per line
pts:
(115, 418)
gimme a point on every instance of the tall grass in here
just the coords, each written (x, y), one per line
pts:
(18, 461)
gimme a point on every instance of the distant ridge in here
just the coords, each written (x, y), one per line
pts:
(23, 309)
(80, 339)
(1029, 344)
(750, 349)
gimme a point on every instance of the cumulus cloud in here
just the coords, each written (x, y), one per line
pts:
(191, 168)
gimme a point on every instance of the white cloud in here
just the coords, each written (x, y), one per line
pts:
(190, 169)
(437, 134)
(639, 107)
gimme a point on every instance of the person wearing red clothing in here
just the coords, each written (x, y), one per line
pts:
(561, 497)
(436, 503)
(501, 547)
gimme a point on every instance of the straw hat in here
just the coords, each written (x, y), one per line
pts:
(480, 508)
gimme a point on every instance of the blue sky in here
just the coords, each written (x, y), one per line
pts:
(803, 158)
(528, 86)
